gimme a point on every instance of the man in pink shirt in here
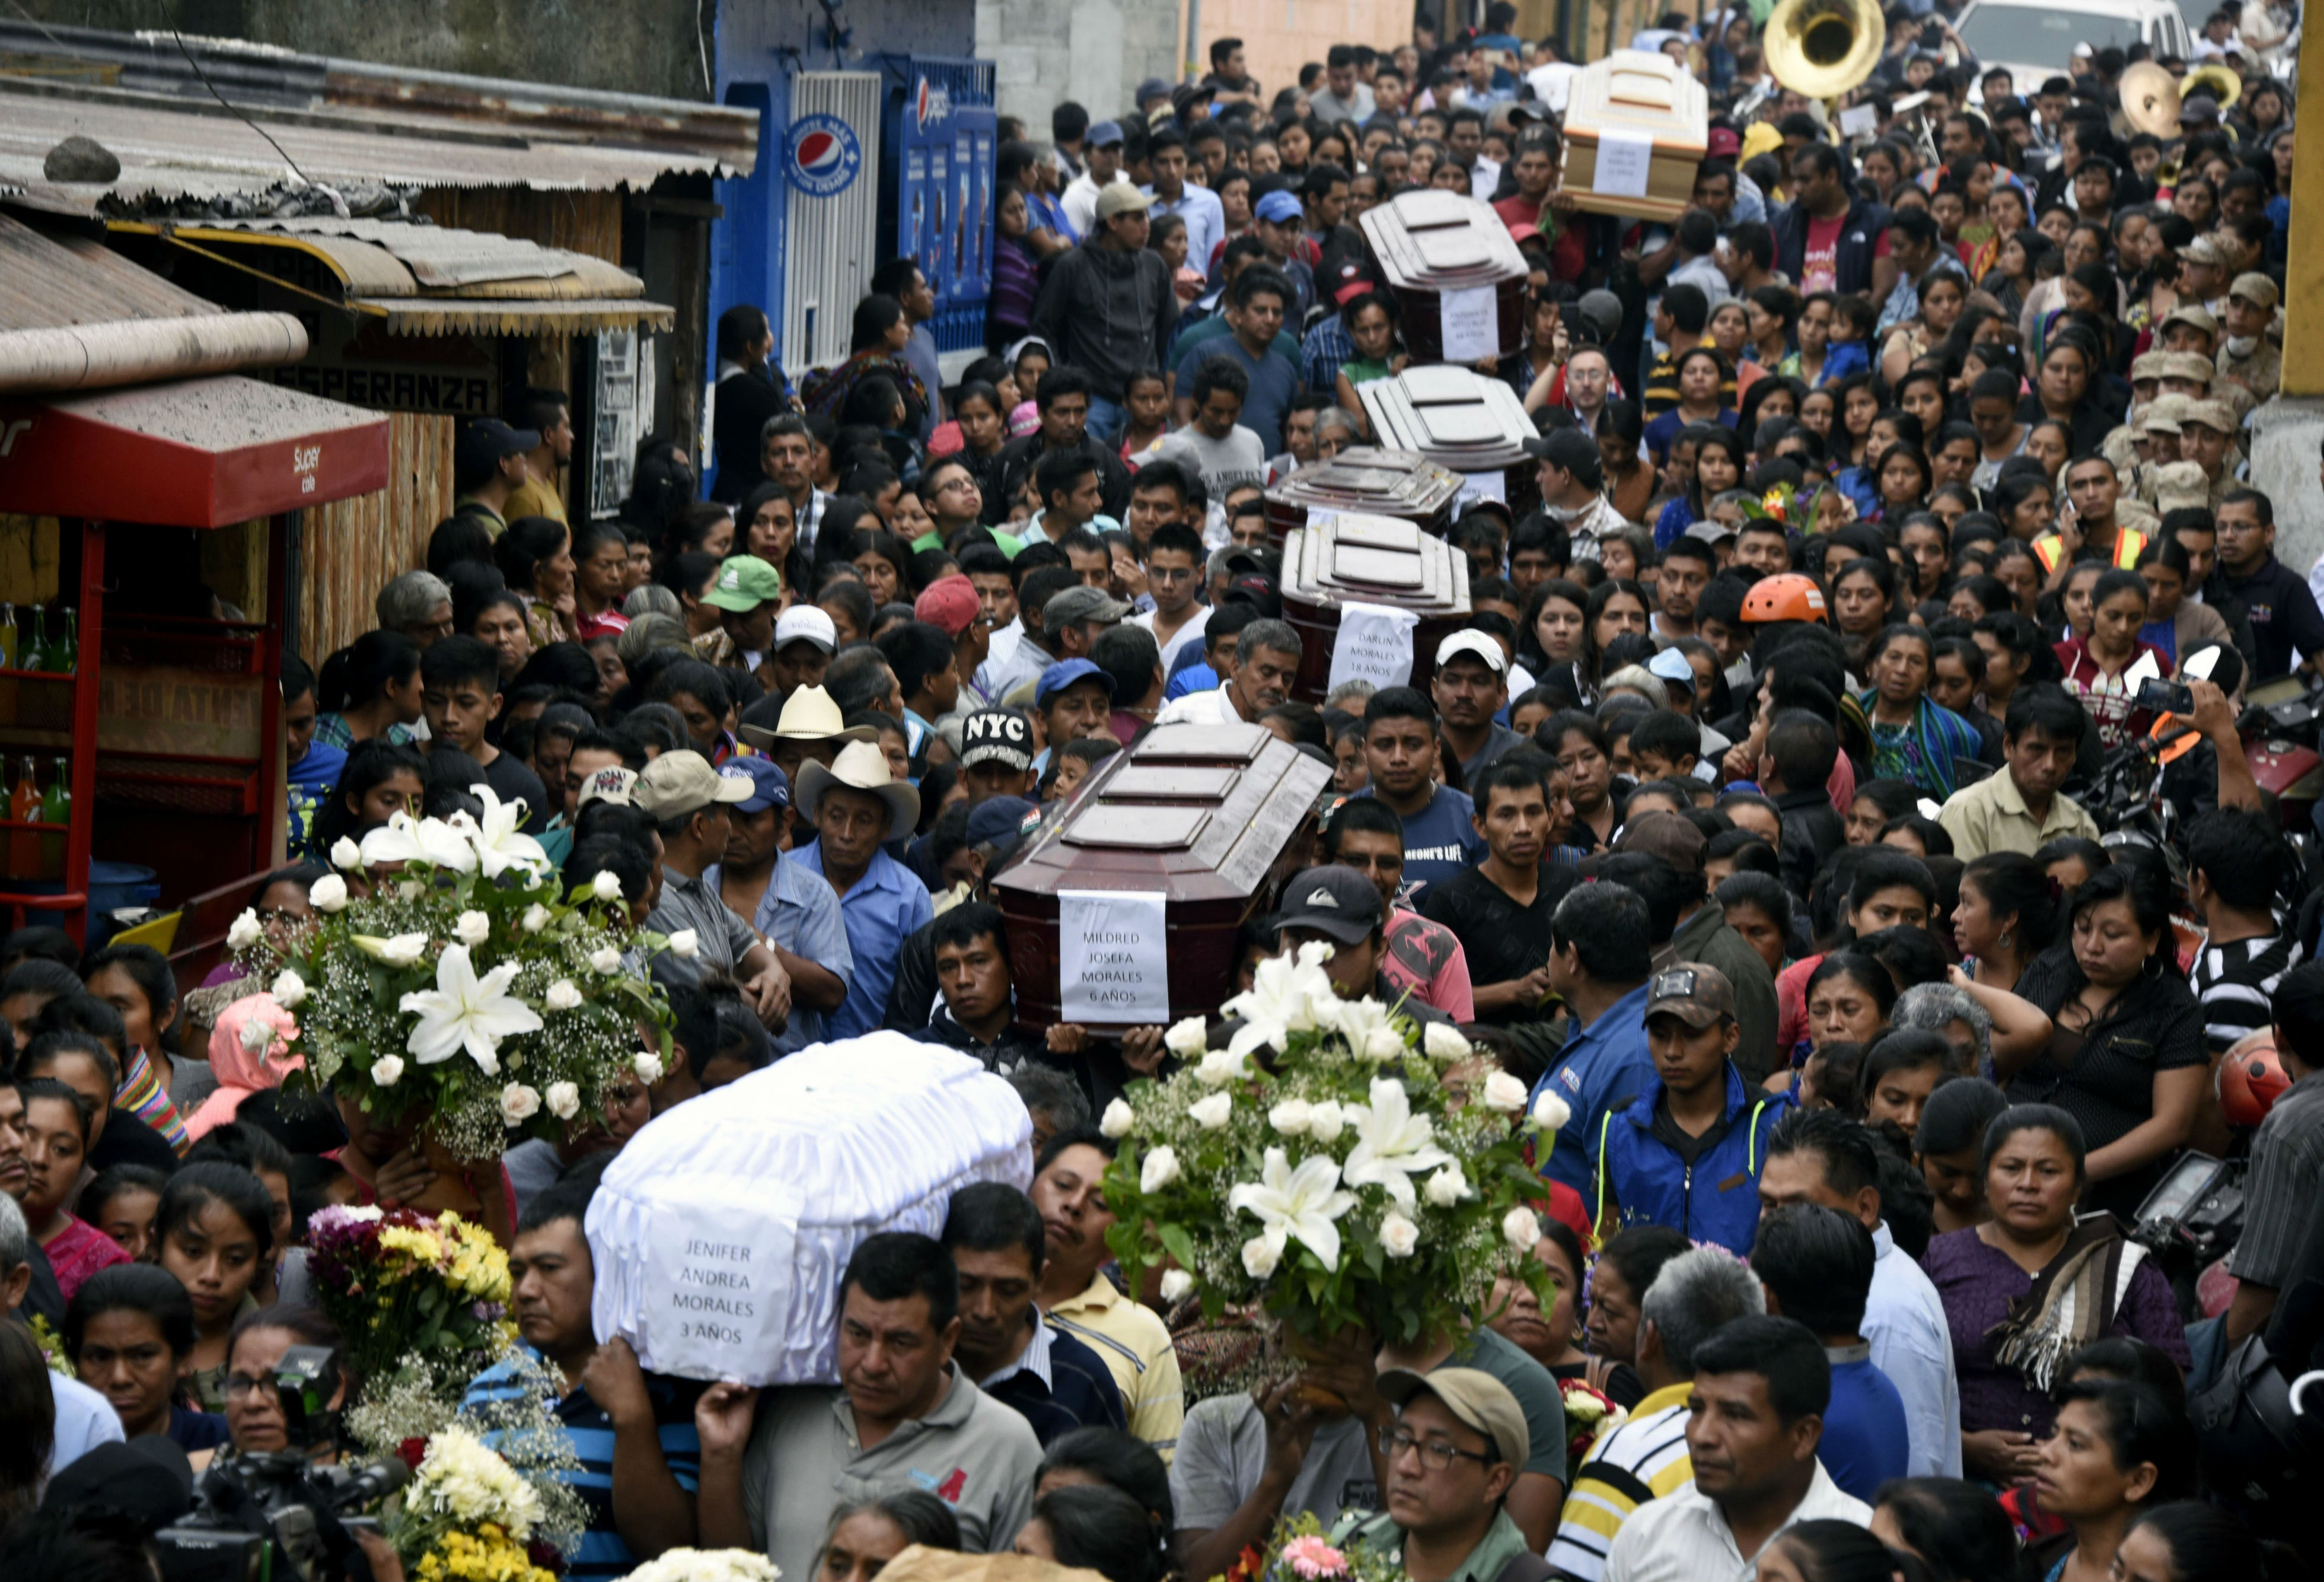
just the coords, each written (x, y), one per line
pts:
(1423, 958)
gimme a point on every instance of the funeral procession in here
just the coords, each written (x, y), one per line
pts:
(1146, 790)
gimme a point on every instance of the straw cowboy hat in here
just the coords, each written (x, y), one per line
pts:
(808, 716)
(859, 766)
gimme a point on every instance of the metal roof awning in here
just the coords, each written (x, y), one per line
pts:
(433, 280)
(497, 316)
(171, 147)
(75, 315)
(195, 453)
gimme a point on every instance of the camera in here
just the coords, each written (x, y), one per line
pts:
(2166, 698)
(266, 1515)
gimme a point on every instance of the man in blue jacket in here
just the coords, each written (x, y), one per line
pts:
(1600, 950)
(1687, 1151)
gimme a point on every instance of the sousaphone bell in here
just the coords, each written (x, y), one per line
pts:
(2150, 99)
(1823, 48)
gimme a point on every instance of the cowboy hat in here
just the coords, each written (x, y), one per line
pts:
(808, 716)
(859, 766)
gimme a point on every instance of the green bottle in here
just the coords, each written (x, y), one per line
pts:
(8, 635)
(64, 653)
(32, 651)
(56, 807)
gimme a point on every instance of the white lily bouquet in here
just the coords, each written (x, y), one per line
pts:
(1321, 1169)
(445, 979)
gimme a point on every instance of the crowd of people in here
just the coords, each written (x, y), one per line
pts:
(1754, 810)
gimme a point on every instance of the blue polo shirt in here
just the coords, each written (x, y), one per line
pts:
(1865, 1440)
(1600, 1066)
(888, 905)
(800, 913)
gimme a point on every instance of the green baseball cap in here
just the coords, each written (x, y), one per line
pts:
(743, 583)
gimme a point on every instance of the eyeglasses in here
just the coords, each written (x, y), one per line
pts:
(239, 1385)
(1435, 1455)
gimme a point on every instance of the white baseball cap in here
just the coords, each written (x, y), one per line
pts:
(806, 623)
(1467, 640)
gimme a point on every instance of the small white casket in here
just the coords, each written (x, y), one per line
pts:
(721, 1231)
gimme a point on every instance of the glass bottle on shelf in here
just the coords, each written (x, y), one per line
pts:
(64, 653)
(56, 808)
(24, 808)
(33, 649)
(8, 635)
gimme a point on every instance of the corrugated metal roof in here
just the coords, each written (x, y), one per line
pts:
(177, 148)
(442, 257)
(49, 280)
(187, 66)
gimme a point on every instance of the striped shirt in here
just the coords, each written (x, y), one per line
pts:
(2235, 983)
(1135, 1345)
(1643, 1459)
(603, 1554)
(141, 1095)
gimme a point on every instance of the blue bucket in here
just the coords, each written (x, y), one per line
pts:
(111, 887)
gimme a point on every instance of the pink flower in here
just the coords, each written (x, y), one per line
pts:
(1312, 1557)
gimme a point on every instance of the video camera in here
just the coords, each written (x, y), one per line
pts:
(269, 1515)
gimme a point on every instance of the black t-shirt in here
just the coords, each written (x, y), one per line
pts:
(511, 779)
(1501, 939)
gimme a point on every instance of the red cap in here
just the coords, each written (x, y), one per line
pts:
(1349, 281)
(1725, 143)
(950, 603)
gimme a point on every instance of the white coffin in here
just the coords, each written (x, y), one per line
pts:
(720, 1232)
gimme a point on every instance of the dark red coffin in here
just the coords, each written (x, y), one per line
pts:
(1374, 561)
(1429, 243)
(1461, 420)
(1214, 816)
(1364, 478)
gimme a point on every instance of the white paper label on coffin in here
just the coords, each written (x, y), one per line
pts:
(1471, 322)
(717, 1275)
(798, 1163)
(1624, 160)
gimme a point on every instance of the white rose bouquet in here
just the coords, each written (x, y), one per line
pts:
(1323, 1169)
(443, 979)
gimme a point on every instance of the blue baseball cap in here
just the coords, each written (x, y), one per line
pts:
(1063, 675)
(1279, 207)
(770, 786)
(1104, 133)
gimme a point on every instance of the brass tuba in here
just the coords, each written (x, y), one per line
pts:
(2214, 80)
(1823, 48)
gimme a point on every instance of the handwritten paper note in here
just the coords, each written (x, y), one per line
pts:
(1113, 961)
(1374, 644)
(1624, 159)
(1472, 320)
(718, 1279)
(1480, 485)
(1860, 121)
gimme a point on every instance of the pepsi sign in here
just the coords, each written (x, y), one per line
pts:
(824, 155)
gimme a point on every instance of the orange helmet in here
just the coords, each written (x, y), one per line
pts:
(2251, 1078)
(1792, 596)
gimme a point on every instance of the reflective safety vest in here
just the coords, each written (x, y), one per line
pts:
(2128, 545)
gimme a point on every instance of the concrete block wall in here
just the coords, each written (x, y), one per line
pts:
(1279, 36)
(1095, 51)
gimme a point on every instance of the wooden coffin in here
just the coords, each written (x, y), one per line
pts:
(1619, 107)
(1459, 280)
(1402, 484)
(1206, 814)
(1464, 420)
(1370, 560)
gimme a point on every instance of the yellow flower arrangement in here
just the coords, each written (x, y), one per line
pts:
(423, 1248)
(487, 1555)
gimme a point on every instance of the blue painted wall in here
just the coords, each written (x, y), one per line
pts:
(761, 43)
